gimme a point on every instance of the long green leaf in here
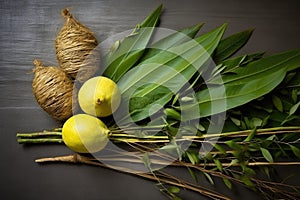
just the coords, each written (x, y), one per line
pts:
(171, 69)
(214, 100)
(171, 40)
(128, 51)
(289, 60)
(196, 51)
(231, 45)
(247, 83)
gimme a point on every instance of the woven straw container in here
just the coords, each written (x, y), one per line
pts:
(53, 90)
(75, 48)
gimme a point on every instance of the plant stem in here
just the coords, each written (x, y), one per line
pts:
(39, 140)
(118, 136)
(38, 134)
(164, 178)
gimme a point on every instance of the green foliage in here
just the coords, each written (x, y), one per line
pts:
(227, 183)
(231, 44)
(220, 148)
(246, 83)
(146, 161)
(267, 155)
(295, 150)
(277, 103)
(127, 52)
(168, 69)
(250, 136)
(277, 108)
(218, 164)
(174, 189)
(209, 178)
(193, 157)
(294, 108)
(193, 174)
(171, 40)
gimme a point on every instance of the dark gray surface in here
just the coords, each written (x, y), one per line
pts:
(28, 30)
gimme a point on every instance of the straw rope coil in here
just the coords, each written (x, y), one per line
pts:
(53, 90)
(74, 43)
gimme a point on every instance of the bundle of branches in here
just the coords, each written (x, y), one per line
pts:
(191, 103)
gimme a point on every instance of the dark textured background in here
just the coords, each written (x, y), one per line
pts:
(28, 29)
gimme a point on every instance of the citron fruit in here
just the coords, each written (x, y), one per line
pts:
(99, 96)
(83, 133)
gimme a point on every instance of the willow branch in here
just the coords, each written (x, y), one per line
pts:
(164, 178)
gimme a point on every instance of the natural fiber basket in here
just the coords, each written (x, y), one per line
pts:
(53, 90)
(74, 45)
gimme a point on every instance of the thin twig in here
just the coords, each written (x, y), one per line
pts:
(165, 178)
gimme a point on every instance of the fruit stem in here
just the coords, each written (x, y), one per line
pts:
(100, 101)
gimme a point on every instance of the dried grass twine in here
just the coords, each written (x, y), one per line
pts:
(53, 90)
(73, 45)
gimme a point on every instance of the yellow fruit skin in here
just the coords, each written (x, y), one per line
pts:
(99, 96)
(83, 133)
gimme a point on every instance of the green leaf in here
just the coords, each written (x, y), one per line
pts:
(174, 189)
(231, 45)
(266, 171)
(294, 95)
(287, 60)
(171, 69)
(138, 104)
(220, 149)
(271, 138)
(294, 108)
(295, 150)
(171, 40)
(248, 170)
(193, 157)
(267, 155)
(193, 174)
(227, 183)
(295, 80)
(201, 127)
(250, 136)
(234, 162)
(172, 114)
(209, 178)
(232, 144)
(256, 122)
(239, 61)
(277, 103)
(249, 125)
(127, 52)
(246, 83)
(218, 164)
(147, 161)
(237, 122)
(247, 181)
